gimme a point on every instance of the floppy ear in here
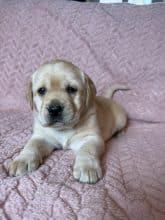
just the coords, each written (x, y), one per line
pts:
(30, 94)
(90, 90)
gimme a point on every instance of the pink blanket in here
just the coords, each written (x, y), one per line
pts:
(112, 43)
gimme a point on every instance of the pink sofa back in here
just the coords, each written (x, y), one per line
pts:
(112, 43)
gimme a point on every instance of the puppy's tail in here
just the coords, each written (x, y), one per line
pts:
(109, 92)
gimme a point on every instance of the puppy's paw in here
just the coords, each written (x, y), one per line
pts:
(23, 164)
(87, 171)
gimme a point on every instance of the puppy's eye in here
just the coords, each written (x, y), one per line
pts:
(42, 91)
(71, 90)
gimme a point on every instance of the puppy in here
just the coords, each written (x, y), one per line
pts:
(69, 115)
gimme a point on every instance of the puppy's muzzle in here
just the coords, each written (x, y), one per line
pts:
(55, 111)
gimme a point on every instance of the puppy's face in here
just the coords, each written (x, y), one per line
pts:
(60, 93)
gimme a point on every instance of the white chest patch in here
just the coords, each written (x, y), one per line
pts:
(58, 139)
(63, 138)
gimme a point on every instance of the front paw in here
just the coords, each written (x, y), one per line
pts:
(87, 171)
(23, 164)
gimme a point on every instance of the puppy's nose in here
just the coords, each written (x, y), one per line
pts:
(55, 109)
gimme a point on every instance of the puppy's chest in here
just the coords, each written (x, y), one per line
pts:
(60, 139)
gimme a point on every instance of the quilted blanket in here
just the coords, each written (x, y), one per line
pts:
(113, 44)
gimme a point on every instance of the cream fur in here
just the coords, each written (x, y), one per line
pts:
(88, 121)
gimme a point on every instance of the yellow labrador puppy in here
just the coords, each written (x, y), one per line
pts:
(69, 115)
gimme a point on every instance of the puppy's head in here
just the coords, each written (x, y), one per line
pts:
(60, 93)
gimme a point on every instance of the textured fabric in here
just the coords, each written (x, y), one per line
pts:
(113, 44)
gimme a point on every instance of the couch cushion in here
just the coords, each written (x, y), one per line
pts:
(132, 186)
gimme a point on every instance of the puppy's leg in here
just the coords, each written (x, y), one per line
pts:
(30, 157)
(120, 117)
(87, 163)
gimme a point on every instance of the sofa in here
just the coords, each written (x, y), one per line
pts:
(112, 43)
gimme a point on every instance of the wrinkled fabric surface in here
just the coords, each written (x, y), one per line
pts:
(113, 44)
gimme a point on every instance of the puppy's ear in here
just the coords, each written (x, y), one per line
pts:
(90, 90)
(30, 94)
